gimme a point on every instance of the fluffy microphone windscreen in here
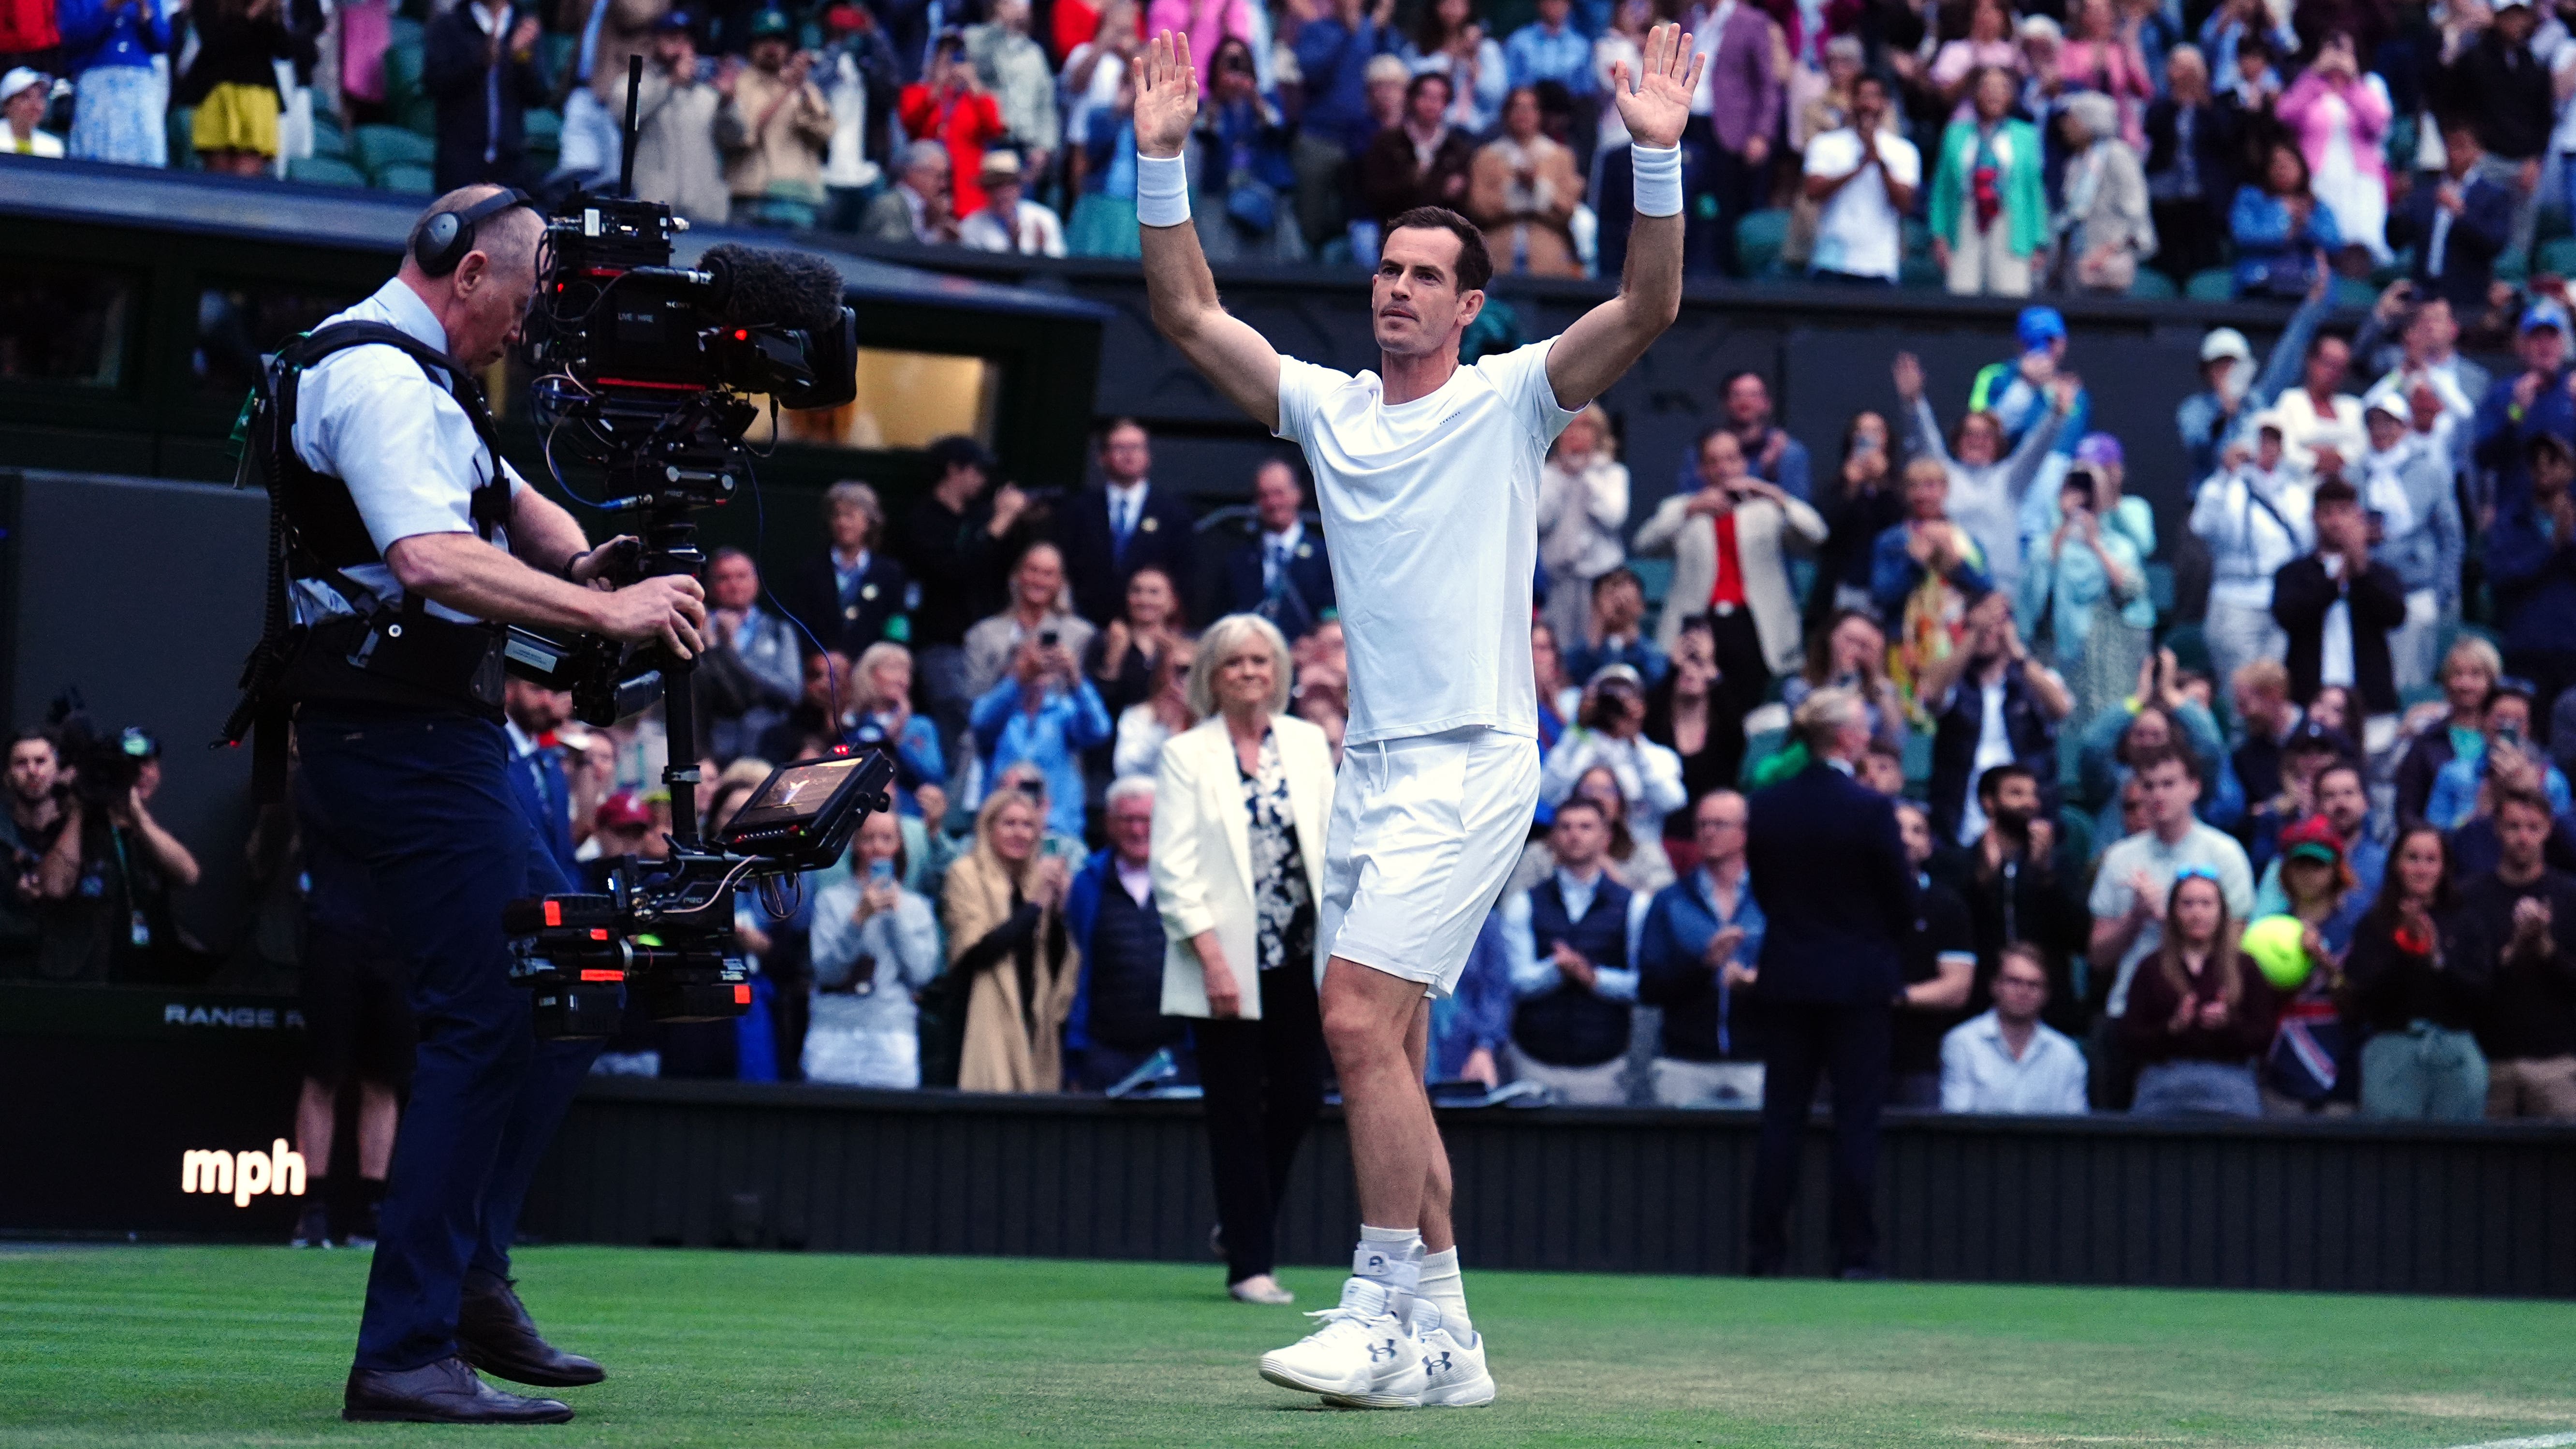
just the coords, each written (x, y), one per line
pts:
(774, 288)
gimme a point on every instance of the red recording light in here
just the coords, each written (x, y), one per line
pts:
(603, 976)
(741, 335)
(742, 995)
(554, 913)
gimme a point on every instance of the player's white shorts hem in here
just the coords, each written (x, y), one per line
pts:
(1425, 833)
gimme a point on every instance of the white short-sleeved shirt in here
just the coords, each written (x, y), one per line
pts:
(371, 417)
(1431, 509)
(1859, 231)
(2113, 891)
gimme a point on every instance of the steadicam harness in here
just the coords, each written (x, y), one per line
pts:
(378, 654)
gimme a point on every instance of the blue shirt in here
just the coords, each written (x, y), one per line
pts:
(1533, 55)
(1679, 924)
(2455, 792)
(1334, 60)
(1052, 739)
(1536, 975)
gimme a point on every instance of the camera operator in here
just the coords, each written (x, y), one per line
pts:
(407, 772)
(44, 855)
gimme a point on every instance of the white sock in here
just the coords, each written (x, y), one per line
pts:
(1441, 1286)
(1393, 1257)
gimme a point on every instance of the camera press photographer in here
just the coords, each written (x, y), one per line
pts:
(406, 543)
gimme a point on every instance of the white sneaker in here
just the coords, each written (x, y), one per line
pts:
(1262, 1289)
(1455, 1371)
(1359, 1356)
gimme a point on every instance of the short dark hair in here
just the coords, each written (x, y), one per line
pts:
(2335, 492)
(1580, 802)
(1413, 88)
(24, 733)
(1122, 422)
(1869, 78)
(1475, 264)
(1622, 574)
(1991, 783)
(2347, 765)
(2026, 953)
(2162, 755)
(1881, 749)
(2525, 797)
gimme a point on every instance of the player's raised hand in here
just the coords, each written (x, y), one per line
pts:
(1656, 104)
(1167, 96)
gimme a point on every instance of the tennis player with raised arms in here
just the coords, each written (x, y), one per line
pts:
(1427, 473)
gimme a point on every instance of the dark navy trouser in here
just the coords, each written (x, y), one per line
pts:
(423, 801)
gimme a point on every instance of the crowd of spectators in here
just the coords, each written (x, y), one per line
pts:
(2140, 147)
(2362, 747)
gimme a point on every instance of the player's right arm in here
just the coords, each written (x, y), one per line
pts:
(1225, 350)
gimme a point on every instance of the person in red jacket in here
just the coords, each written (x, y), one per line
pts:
(28, 36)
(950, 107)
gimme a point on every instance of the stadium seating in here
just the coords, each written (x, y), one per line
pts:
(183, 140)
(318, 170)
(2153, 286)
(1759, 236)
(2218, 284)
(407, 176)
(377, 148)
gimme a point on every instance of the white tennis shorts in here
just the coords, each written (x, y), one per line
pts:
(1425, 833)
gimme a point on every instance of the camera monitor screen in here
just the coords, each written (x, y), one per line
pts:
(793, 794)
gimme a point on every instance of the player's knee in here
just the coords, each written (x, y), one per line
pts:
(1355, 1033)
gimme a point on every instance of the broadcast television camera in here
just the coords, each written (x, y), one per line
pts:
(651, 373)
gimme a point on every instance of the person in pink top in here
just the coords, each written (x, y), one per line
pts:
(1989, 42)
(2338, 116)
(2102, 54)
(1205, 22)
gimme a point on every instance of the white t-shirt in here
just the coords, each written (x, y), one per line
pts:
(1859, 232)
(371, 417)
(1431, 508)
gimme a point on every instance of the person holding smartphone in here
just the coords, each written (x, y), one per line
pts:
(874, 945)
(1044, 713)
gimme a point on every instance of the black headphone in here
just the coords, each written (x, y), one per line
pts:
(445, 240)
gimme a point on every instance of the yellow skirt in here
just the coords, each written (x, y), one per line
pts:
(237, 117)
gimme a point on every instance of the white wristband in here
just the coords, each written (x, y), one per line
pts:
(1162, 190)
(1657, 175)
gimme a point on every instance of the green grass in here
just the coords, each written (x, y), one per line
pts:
(247, 1346)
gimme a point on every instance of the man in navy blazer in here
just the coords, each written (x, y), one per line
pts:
(1838, 897)
(538, 778)
(1110, 531)
(1283, 573)
(2472, 217)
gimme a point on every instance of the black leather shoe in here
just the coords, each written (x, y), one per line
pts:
(445, 1392)
(494, 1334)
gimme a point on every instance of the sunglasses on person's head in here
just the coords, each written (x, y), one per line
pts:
(2195, 872)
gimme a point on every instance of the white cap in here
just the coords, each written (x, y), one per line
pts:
(18, 79)
(2395, 406)
(2504, 5)
(2225, 342)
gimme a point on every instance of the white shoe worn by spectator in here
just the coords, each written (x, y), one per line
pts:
(1453, 1371)
(1359, 1356)
(1261, 1288)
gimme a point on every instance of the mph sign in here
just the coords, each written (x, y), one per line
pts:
(245, 1175)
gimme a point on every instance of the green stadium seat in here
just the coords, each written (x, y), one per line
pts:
(376, 147)
(329, 140)
(324, 171)
(403, 30)
(1759, 747)
(1921, 274)
(2556, 256)
(2394, 269)
(2354, 292)
(2153, 286)
(548, 124)
(183, 140)
(2160, 587)
(1758, 240)
(556, 54)
(2076, 829)
(2551, 221)
(2513, 267)
(407, 176)
(2218, 284)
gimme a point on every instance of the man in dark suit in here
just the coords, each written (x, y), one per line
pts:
(1283, 574)
(850, 596)
(1123, 525)
(538, 779)
(2456, 225)
(479, 63)
(1837, 893)
(2347, 646)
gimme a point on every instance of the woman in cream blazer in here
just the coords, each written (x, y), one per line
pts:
(1242, 801)
(1768, 521)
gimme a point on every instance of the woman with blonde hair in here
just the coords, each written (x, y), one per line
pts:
(2198, 1010)
(1582, 505)
(1008, 945)
(1242, 802)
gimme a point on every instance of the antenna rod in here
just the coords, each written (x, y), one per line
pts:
(626, 151)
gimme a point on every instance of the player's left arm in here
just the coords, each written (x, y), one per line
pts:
(1606, 341)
